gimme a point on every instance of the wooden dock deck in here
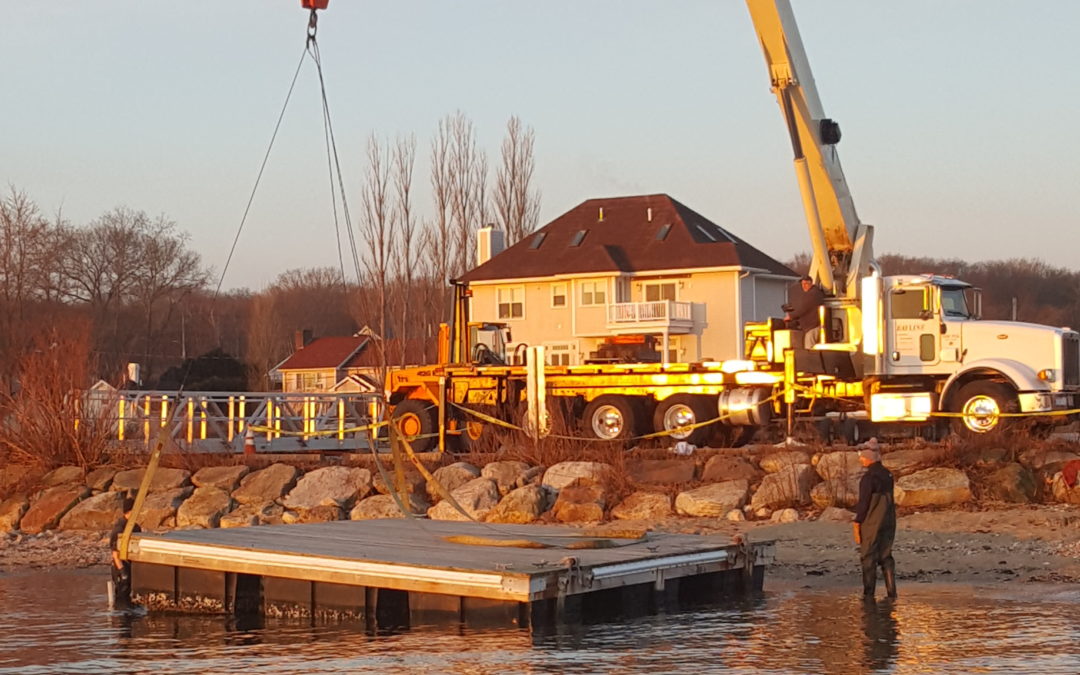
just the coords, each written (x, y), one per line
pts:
(398, 572)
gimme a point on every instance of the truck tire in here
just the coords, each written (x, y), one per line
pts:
(474, 434)
(981, 403)
(610, 418)
(683, 410)
(417, 422)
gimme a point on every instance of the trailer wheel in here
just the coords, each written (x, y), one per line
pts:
(981, 404)
(417, 422)
(610, 418)
(474, 434)
(683, 410)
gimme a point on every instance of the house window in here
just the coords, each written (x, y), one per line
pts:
(511, 302)
(593, 293)
(578, 237)
(660, 291)
(558, 295)
(559, 354)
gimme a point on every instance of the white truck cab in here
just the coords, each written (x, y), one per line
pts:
(922, 329)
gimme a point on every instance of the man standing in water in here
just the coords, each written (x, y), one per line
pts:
(120, 568)
(875, 522)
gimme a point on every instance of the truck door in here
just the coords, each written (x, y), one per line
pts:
(914, 329)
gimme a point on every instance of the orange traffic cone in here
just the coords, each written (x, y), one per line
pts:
(249, 442)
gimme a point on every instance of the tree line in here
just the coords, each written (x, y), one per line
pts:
(129, 287)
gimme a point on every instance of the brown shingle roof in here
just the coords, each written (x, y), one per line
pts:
(324, 352)
(626, 240)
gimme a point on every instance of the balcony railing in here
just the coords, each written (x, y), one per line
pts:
(654, 314)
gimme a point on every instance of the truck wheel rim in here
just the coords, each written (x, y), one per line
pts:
(676, 416)
(474, 430)
(607, 422)
(981, 414)
(409, 425)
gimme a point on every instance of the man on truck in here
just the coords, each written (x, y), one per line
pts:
(804, 309)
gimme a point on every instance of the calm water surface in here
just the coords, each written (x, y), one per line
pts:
(55, 622)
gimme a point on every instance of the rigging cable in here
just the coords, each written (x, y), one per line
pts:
(333, 162)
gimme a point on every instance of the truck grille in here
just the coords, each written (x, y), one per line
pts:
(1070, 359)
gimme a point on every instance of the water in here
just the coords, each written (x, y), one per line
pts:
(55, 622)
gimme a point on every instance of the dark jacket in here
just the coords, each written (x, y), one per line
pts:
(876, 480)
(804, 306)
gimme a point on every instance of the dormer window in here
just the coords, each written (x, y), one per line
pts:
(578, 237)
(537, 240)
(662, 234)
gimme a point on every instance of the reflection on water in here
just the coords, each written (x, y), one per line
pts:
(55, 622)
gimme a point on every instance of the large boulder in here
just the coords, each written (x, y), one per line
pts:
(662, 471)
(836, 492)
(204, 508)
(414, 481)
(713, 500)
(450, 477)
(1013, 483)
(476, 498)
(643, 506)
(581, 501)
(839, 464)
(836, 514)
(521, 506)
(564, 473)
(324, 513)
(938, 486)
(903, 462)
(329, 486)
(159, 508)
(384, 506)
(506, 474)
(266, 485)
(225, 478)
(725, 467)
(99, 512)
(788, 487)
(50, 505)
(164, 479)
(11, 512)
(780, 460)
(247, 515)
(64, 475)
(1047, 459)
(101, 478)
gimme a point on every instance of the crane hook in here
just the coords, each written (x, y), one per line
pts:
(313, 22)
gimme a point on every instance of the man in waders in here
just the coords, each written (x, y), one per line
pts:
(121, 569)
(875, 522)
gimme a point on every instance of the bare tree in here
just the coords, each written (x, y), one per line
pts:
(517, 202)
(407, 248)
(27, 244)
(468, 182)
(377, 230)
(438, 240)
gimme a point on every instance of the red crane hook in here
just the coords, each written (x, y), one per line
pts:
(314, 4)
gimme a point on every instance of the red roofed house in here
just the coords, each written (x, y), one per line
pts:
(645, 269)
(336, 363)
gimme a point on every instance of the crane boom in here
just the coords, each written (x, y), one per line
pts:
(842, 245)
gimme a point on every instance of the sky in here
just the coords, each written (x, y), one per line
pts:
(959, 118)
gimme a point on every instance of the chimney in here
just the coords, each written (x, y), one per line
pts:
(301, 339)
(490, 242)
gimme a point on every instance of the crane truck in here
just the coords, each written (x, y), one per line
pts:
(900, 350)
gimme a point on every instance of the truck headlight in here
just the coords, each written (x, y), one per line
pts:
(1047, 375)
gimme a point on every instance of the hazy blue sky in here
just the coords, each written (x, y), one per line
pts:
(960, 118)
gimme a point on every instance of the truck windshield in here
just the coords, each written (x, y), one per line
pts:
(954, 302)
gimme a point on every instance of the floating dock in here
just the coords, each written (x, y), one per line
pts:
(396, 573)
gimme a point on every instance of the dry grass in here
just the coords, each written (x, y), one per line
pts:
(48, 422)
